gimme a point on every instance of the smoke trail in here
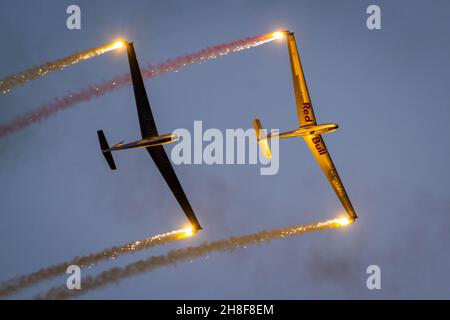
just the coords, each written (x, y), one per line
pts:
(87, 93)
(12, 286)
(20, 78)
(180, 255)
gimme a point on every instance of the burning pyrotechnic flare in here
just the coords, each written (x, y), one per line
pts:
(279, 34)
(173, 257)
(12, 286)
(342, 221)
(20, 78)
(87, 93)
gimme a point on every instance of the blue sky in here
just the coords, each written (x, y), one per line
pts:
(387, 90)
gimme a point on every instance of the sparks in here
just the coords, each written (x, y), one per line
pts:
(279, 34)
(118, 44)
(188, 232)
(21, 78)
(175, 256)
(342, 221)
(19, 283)
(151, 71)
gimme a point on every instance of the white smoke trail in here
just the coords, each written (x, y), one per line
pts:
(12, 286)
(20, 78)
(113, 275)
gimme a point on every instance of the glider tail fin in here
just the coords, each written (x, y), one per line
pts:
(262, 139)
(105, 150)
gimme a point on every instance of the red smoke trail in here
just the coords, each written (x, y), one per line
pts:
(87, 93)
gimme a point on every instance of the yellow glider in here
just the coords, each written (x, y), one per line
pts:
(308, 129)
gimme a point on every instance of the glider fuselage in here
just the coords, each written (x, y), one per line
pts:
(304, 131)
(145, 143)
